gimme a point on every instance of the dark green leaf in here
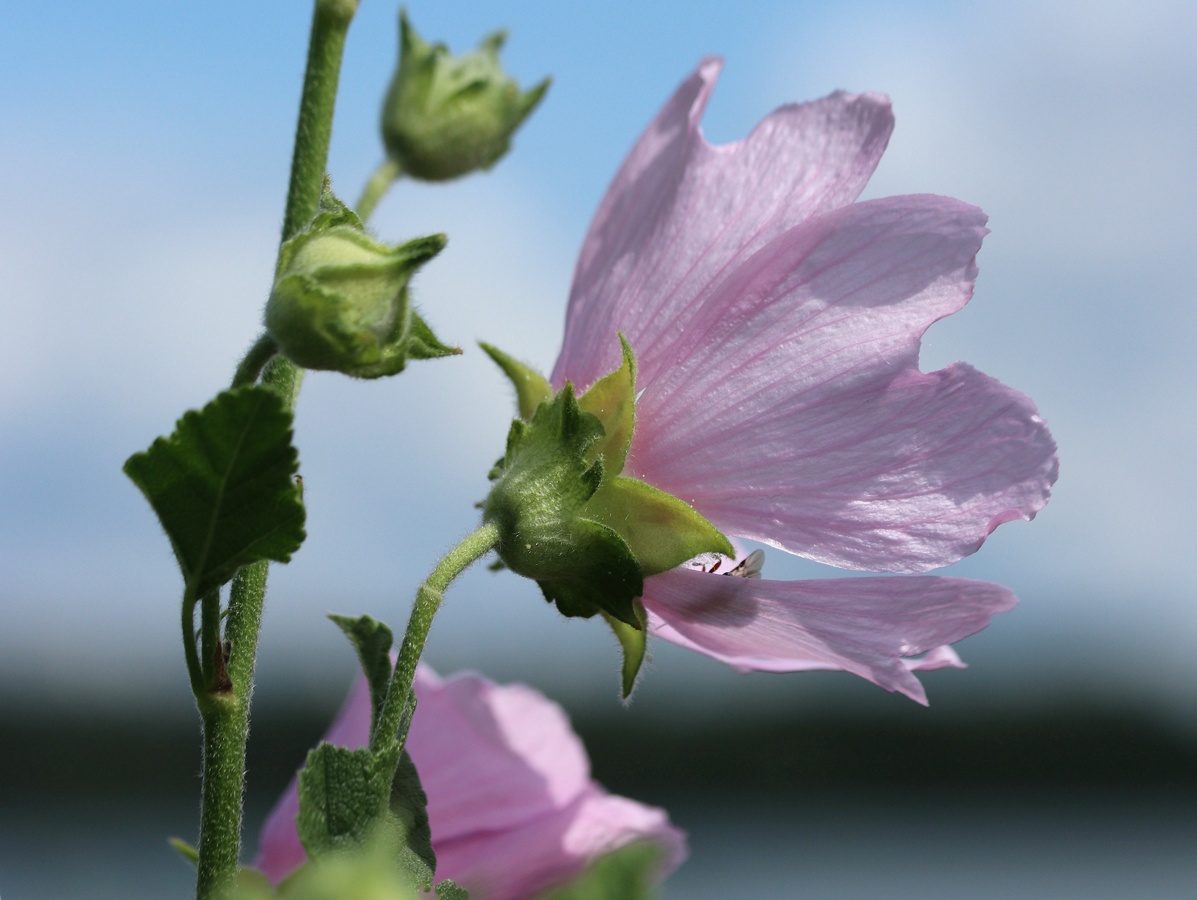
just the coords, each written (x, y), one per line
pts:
(372, 640)
(223, 486)
(343, 797)
(409, 808)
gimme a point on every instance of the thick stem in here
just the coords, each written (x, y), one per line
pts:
(384, 176)
(226, 725)
(330, 24)
(224, 703)
(428, 601)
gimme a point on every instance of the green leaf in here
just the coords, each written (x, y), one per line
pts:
(349, 798)
(626, 874)
(661, 530)
(409, 808)
(632, 642)
(612, 400)
(372, 640)
(531, 388)
(223, 486)
(343, 797)
(447, 890)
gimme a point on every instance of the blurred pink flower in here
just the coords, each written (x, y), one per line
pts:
(776, 324)
(510, 800)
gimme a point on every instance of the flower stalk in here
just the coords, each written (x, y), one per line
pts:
(428, 601)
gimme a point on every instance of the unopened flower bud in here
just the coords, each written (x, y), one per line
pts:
(340, 299)
(447, 116)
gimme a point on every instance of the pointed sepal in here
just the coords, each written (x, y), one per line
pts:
(612, 400)
(661, 530)
(531, 388)
(633, 642)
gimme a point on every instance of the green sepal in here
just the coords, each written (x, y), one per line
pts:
(341, 299)
(372, 640)
(624, 874)
(447, 890)
(531, 388)
(545, 480)
(343, 796)
(423, 344)
(633, 642)
(445, 116)
(661, 530)
(185, 850)
(612, 399)
(223, 486)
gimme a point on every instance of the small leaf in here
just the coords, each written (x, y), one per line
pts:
(223, 486)
(343, 797)
(185, 850)
(612, 399)
(661, 530)
(625, 874)
(372, 640)
(447, 890)
(531, 388)
(409, 808)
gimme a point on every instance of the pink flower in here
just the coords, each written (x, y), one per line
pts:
(510, 800)
(776, 324)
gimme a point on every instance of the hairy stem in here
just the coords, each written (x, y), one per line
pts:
(224, 703)
(428, 601)
(384, 176)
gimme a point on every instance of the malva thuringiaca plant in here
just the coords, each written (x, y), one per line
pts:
(740, 360)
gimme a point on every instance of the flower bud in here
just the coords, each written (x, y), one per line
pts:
(444, 117)
(340, 299)
(566, 516)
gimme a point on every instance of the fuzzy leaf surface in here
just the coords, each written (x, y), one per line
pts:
(223, 486)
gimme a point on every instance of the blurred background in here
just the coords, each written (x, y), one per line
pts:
(145, 149)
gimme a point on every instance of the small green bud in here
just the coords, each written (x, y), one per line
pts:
(340, 300)
(444, 117)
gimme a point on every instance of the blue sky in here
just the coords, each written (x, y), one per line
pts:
(145, 148)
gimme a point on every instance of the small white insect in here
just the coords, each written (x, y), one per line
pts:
(750, 566)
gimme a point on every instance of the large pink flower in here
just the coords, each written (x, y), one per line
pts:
(510, 800)
(776, 325)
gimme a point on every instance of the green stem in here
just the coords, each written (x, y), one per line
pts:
(256, 358)
(330, 24)
(428, 601)
(224, 704)
(384, 176)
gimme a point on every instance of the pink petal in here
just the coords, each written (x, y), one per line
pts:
(515, 864)
(681, 212)
(497, 756)
(862, 625)
(790, 409)
(510, 800)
